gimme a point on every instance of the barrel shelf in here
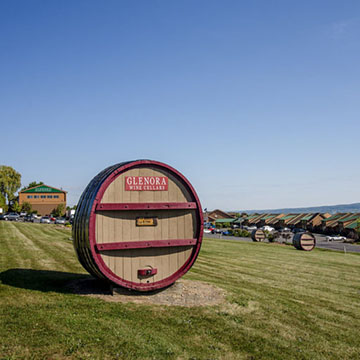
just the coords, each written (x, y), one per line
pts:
(139, 225)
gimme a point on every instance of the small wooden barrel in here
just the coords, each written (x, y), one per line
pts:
(304, 241)
(258, 235)
(138, 224)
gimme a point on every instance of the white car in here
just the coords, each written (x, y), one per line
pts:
(250, 228)
(60, 220)
(335, 238)
(45, 220)
(207, 231)
(268, 228)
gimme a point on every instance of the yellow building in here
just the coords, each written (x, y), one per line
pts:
(43, 198)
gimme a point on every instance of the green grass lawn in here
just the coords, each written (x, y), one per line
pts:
(282, 304)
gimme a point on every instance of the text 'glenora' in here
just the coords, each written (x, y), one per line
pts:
(146, 183)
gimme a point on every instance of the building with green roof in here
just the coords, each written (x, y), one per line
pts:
(43, 198)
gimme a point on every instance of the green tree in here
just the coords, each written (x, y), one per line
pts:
(26, 206)
(15, 206)
(59, 211)
(3, 203)
(32, 184)
(10, 182)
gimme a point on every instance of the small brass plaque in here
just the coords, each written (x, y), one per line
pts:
(148, 221)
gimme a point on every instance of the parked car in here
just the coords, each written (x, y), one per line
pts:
(268, 228)
(216, 231)
(226, 232)
(45, 220)
(207, 231)
(298, 230)
(3, 216)
(30, 217)
(250, 228)
(13, 217)
(60, 220)
(285, 229)
(335, 238)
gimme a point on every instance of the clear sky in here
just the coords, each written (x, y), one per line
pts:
(256, 102)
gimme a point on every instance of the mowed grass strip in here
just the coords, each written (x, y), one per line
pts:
(282, 304)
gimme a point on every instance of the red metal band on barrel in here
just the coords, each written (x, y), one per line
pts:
(128, 245)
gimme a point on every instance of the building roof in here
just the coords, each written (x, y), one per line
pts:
(276, 219)
(239, 220)
(228, 220)
(216, 212)
(309, 216)
(353, 225)
(296, 219)
(252, 216)
(352, 217)
(43, 189)
(267, 216)
(335, 222)
(270, 218)
(305, 217)
(256, 218)
(335, 217)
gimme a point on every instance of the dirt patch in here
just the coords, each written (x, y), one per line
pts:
(186, 293)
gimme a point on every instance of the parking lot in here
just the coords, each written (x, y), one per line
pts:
(321, 242)
(36, 219)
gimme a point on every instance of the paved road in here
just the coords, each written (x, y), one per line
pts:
(320, 242)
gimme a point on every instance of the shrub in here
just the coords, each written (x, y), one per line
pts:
(26, 206)
(241, 233)
(59, 211)
(273, 236)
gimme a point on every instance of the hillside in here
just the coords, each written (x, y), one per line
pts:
(332, 209)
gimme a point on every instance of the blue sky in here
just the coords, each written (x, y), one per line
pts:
(256, 102)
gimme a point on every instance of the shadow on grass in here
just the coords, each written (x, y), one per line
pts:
(47, 280)
(63, 282)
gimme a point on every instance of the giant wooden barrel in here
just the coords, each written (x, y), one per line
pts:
(138, 224)
(258, 235)
(304, 241)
